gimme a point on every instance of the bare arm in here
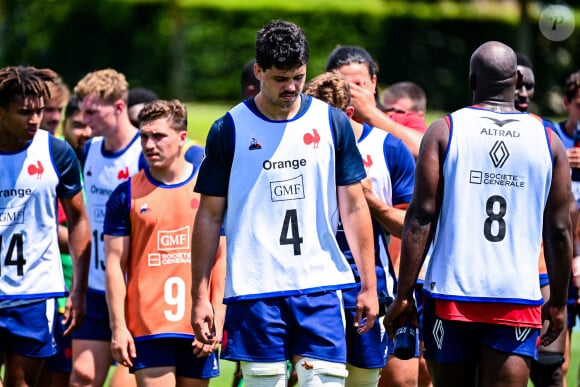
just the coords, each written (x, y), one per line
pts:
(366, 109)
(356, 221)
(391, 218)
(557, 237)
(117, 253)
(204, 248)
(421, 218)
(79, 241)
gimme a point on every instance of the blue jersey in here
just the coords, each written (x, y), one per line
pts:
(391, 167)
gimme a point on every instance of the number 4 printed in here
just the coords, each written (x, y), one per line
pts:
(15, 254)
(291, 225)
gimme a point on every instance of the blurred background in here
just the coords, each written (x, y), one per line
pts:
(194, 50)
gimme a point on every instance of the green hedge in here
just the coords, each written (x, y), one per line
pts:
(196, 52)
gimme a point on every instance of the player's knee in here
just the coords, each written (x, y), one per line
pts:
(264, 374)
(314, 372)
(362, 377)
(547, 369)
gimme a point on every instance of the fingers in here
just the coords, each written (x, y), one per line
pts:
(124, 351)
(550, 335)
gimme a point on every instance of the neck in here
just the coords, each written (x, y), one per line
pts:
(177, 172)
(496, 101)
(570, 127)
(357, 128)
(276, 112)
(121, 136)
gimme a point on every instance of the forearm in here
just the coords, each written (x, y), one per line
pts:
(414, 244)
(357, 225)
(116, 293)
(217, 284)
(204, 247)
(390, 218)
(79, 241)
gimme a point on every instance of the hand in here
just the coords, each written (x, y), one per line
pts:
(202, 350)
(363, 101)
(557, 319)
(397, 308)
(74, 311)
(573, 157)
(202, 322)
(123, 347)
(367, 310)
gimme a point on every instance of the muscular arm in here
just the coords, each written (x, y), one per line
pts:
(79, 241)
(204, 248)
(357, 225)
(421, 217)
(366, 109)
(557, 237)
(117, 253)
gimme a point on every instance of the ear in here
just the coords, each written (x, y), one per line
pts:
(472, 82)
(258, 71)
(564, 99)
(520, 79)
(349, 111)
(119, 105)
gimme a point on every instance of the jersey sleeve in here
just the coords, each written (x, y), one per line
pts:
(67, 165)
(214, 172)
(401, 166)
(349, 165)
(117, 220)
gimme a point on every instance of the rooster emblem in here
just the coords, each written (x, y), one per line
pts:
(37, 169)
(368, 162)
(123, 174)
(312, 138)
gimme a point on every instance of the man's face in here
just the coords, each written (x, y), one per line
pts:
(20, 121)
(161, 143)
(52, 115)
(358, 73)
(525, 91)
(281, 88)
(573, 107)
(101, 116)
(76, 132)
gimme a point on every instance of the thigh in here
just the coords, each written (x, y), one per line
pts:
(503, 369)
(20, 370)
(309, 336)
(91, 361)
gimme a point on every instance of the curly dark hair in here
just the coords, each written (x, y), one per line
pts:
(24, 81)
(283, 45)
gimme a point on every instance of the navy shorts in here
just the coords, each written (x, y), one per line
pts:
(457, 341)
(368, 350)
(174, 352)
(62, 361)
(274, 329)
(27, 330)
(95, 326)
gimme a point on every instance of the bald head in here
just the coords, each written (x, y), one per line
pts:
(493, 70)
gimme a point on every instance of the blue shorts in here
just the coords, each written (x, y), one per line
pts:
(457, 341)
(174, 352)
(62, 361)
(274, 329)
(419, 303)
(95, 326)
(27, 330)
(368, 350)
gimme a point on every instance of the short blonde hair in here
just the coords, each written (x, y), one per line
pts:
(108, 84)
(174, 111)
(331, 87)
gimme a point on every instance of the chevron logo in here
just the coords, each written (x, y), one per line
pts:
(522, 333)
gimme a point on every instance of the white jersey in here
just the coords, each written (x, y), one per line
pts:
(283, 179)
(102, 174)
(30, 264)
(497, 174)
(372, 151)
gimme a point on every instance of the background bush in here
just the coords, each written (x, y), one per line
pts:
(194, 51)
